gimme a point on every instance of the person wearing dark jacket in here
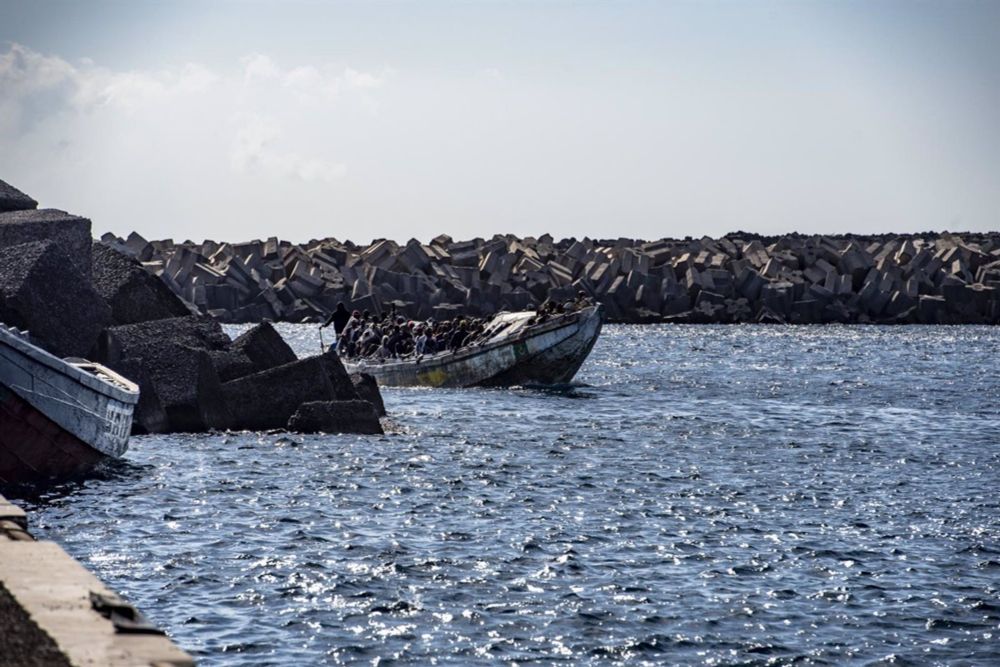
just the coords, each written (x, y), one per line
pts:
(338, 318)
(458, 338)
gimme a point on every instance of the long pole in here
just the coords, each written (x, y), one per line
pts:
(322, 345)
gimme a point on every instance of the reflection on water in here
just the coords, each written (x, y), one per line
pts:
(723, 495)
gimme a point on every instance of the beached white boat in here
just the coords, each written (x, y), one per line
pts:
(510, 353)
(58, 417)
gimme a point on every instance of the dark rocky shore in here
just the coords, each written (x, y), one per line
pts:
(81, 298)
(926, 278)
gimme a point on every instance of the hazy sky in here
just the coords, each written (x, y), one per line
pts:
(243, 119)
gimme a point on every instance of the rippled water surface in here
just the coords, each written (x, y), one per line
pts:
(710, 495)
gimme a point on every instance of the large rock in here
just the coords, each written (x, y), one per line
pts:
(149, 416)
(12, 199)
(264, 346)
(343, 386)
(367, 390)
(133, 293)
(232, 364)
(143, 339)
(175, 355)
(188, 387)
(336, 417)
(70, 232)
(42, 290)
(268, 399)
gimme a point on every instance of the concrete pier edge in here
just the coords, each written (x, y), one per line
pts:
(54, 593)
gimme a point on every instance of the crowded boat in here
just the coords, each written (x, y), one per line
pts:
(363, 335)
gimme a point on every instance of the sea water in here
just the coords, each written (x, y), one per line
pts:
(702, 495)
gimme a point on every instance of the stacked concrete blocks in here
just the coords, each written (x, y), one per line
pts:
(737, 278)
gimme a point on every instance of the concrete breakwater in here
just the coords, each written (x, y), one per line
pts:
(914, 278)
(53, 612)
(81, 298)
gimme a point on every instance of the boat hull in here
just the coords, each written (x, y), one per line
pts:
(33, 447)
(550, 353)
(58, 417)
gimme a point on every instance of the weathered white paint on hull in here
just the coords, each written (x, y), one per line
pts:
(88, 401)
(549, 353)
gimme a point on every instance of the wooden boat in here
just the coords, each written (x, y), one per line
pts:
(511, 352)
(58, 417)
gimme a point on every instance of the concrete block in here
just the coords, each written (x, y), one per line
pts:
(899, 302)
(873, 298)
(707, 297)
(133, 294)
(806, 311)
(855, 262)
(355, 416)
(931, 309)
(268, 399)
(773, 269)
(717, 261)
(188, 386)
(139, 340)
(381, 253)
(139, 247)
(815, 275)
(675, 304)
(43, 291)
(70, 232)
(722, 282)
(232, 364)
(777, 297)
(367, 390)
(149, 416)
(467, 258)
(649, 298)
(620, 293)
(738, 310)
(264, 347)
(12, 199)
(756, 254)
(749, 284)
(728, 247)
(820, 293)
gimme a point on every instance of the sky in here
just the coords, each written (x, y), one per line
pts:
(244, 119)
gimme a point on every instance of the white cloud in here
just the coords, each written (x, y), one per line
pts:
(256, 150)
(326, 81)
(273, 121)
(23, 71)
(26, 76)
(259, 67)
(97, 86)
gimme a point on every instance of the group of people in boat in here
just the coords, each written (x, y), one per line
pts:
(392, 336)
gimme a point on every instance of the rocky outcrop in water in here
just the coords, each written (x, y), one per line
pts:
(900, 279)
(82, 299)
(335, 417)
(271, 398)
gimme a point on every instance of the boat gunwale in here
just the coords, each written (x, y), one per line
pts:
(452, 357)
(36, 354)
